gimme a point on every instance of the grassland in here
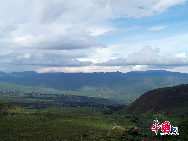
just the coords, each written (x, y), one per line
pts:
(83, 124)
(57, 117)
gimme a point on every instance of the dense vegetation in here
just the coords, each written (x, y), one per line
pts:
(39, 101)
(84, 124)
(112, 85)
(77, 118)
(9, 109)
(169, 100)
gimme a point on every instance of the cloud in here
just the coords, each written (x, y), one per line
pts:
(162, 5)
(42, 58)
(182, 69)
(149, 56)
(156, 28)
(56, 42)
(121, 30)
(54, 24)
(35, 33)
(89, 69)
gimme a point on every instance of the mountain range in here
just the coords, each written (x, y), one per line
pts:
(119, 86)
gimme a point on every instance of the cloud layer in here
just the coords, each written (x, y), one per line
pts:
(60, 32)
(149, 56)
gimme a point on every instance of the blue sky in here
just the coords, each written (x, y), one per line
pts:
(93, 35)
(172, 22)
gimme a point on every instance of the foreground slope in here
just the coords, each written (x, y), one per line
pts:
(170, 100)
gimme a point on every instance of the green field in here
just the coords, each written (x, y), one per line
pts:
(58, 117)
(83, 124)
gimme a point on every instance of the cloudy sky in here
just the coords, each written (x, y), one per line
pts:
(93, 35)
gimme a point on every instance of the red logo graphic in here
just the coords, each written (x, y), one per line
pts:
(166, 128)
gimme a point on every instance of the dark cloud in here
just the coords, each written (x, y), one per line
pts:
(42, 58)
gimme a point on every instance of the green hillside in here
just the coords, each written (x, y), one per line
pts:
(168, 100)
(27, 89)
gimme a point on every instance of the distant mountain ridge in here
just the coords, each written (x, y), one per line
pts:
(112, 85)
(170, 99)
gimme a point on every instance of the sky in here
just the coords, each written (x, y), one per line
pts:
(93, 35)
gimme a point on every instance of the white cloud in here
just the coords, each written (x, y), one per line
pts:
(79, 69)
(42, 58)
(140, 67)
(173, 43)
(90, 69)
(181, 55)
(182, 69)
(162, 5)
(149, 56)
(156, 28)
(31, 31)
(57, 42)
(58, 19)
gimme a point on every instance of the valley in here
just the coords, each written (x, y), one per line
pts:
(64, 117)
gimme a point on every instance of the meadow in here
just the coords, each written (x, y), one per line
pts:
(83, 124)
